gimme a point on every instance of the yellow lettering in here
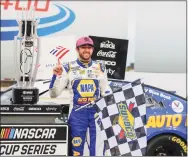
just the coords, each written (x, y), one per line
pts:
(160, 121)
(178, 140)
(151, 122)
(164, 120)
(182, 144)
(76, 153)
(80, 100)
(185, 148)
(169, 118)
(174, 139)
(85, 100)
(176, 120)
(91, 99)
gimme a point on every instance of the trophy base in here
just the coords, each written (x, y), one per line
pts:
(25, 96)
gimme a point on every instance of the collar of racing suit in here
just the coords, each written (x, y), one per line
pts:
(84, 64)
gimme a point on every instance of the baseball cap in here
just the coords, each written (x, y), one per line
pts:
(84, 41)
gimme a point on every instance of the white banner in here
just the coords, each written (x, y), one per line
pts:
(31, 149)
(54, 48)
(32, 140)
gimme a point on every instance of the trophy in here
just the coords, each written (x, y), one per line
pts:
(26, 59)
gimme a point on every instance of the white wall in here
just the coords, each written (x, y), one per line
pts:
(160, 36)
(167, 81)
(105, 18)
(155, 30)
(108, 19)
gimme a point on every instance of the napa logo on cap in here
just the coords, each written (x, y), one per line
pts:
(53, 17)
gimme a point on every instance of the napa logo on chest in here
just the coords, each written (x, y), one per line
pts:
(86, 88)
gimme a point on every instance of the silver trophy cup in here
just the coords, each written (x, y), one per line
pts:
(26, 59)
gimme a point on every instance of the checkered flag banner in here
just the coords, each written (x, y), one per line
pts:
(123, 121)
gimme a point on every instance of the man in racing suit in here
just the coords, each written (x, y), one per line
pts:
(86, 80)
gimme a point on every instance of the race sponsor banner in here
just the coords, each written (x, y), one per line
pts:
(31, 110)
(114, 54)
(33, 139)
(51, 50)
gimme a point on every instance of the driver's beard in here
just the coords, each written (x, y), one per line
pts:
(82, 59)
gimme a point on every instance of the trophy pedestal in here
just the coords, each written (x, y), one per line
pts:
(25, 96)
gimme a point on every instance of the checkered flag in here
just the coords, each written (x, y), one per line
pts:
(123, 121)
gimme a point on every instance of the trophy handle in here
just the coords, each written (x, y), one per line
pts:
(35, 69)
(17, 73)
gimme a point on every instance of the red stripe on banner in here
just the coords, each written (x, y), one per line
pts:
(60, 51)
(63, 54)
(7, 133)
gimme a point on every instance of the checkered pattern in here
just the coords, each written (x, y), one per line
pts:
(109, 109)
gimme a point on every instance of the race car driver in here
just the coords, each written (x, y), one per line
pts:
(86, 80)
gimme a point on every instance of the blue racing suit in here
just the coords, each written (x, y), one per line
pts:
(86, 83)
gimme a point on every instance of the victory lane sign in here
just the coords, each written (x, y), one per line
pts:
(114, 54)
(31, 139)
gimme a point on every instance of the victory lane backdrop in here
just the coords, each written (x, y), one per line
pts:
(33, 139)
(113, 52)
